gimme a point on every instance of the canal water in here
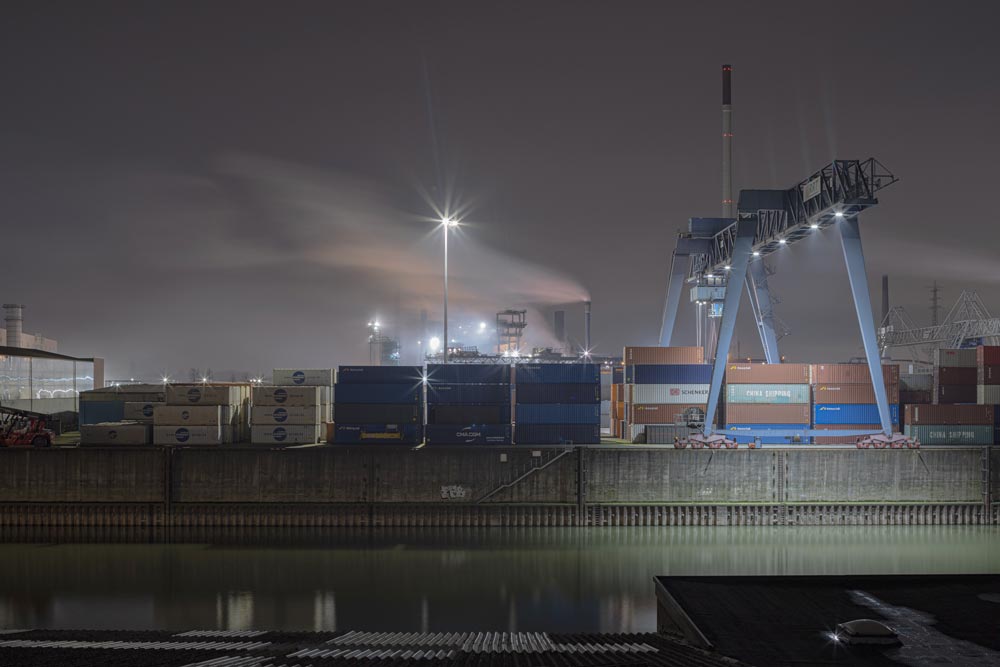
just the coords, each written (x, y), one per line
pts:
(558, 580)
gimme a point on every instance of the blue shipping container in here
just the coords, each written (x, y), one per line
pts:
(96, 412)
(387, 434)
(557, 434)
(618, 375)
(557, 374)
(468, 434)
(468, 373)
(548, 413)
(733, 431)
(848, 413)
(380, 375)
(468, 394)
(379, 393)
(669, 374)
(468, 414)
(558, 393)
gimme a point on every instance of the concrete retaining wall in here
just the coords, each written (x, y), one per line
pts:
(81, 475)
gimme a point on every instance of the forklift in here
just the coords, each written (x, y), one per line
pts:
(23, 428)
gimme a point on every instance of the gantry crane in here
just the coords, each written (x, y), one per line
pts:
(968, 323)
(718, 256)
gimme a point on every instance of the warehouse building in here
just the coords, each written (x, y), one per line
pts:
(46, 381)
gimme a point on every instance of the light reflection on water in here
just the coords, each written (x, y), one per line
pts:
(560, 579)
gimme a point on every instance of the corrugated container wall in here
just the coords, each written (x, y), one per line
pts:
(987, 394)
(844, 413)
(750, 413)
(558, 434)
(988, 375)
(737, 373)
(669, 374)
(733, 431)
(669, 393)
(666, 414)
(952, 435)
(851, 393)
(767, 393)
(663, 355)
(988, 355)
(852, 374)
(413, 375)
(557, 374)
(469, 373)
(937, 415)
(967, 358)
(957, 393)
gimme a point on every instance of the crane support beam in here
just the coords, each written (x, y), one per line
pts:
(679, 264)
(850, 239)
(760, 302)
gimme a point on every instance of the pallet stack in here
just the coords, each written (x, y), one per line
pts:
(955, 376)
(665, 386)
(951, 424)
(844, 398)
(379, 405)
(468, 404)
(767, 396)
(557, 404)
(286, 415)
(202, 414)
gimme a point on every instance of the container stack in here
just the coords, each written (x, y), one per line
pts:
(202, 414)
(951, 424)
(617, 410)
(988, 375)
(286, 415)
(468, 404)
(844, 399)
(955, 376)
(766, 396)
(324, 378)
(607, 374)
(132, 402)
(114, 434)
(557, 404)
(665, 386)
(379, 405)
(916, 388)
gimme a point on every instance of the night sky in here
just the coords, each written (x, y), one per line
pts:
(242, 185)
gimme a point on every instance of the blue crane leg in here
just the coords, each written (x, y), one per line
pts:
(760, 298)
(678, 272)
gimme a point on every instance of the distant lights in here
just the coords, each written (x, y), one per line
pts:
(727, 267)
(839, 214)
(710, 275)
(814, 226)
(756, 253)
(782, 241)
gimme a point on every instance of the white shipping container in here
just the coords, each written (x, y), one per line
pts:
(956, 358)
(203, 394)
(140, 411)
(292, 434)
(605, 407)
(988, 394)
(670, 393)
(315, 377)
(195, 415)
(114, 433)
(262, 415)
(287, 396)
(192, 435)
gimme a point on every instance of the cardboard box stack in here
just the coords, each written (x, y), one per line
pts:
(767, 396)
(286, 415)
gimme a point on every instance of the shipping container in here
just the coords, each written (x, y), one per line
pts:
(605, 407)
(957, 375)
(922, 396)
(557, 393)
(557, 434)
(949, 415)
(97, 412)
(548, 413)
(468, 434)
(192, 435)
(618, 374)
(675, 413)
(988, 355)
(988, 375)
(386, 434)
(965, 358)
(468, 373)
(192, 415)
(203, 394)
(141, 412)
(379, 393)
(605, 391)
(847, 413)
(285, 434)
(957, 393)
(557, 374)
(287, 396)
(986, 394)
(768, 413)
(617, 393)
(263, 415)
(951, 435)
(852, 374)
(411, 375)
(663, 355)
(468, 394)
(738, 432)
(380, 413)
(767, 393)
(115, 433)
(747, 373)
(916, 382)
(669, 374)
(851, 393)
(668, 393)
(304, 377)
(468, 414)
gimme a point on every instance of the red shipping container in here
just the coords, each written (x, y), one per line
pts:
(956, 375)
(649, 413)
(955, 393)
(988, 355)
(918, 396)
(988, 374)
(767, 413)
(747, 373)
(851, 393)
(851, 374)
(949, 415)
(663, 355)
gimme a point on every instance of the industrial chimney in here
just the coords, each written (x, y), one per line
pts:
(728, 208)
(559, 326)
(586, 327)
(13, 319)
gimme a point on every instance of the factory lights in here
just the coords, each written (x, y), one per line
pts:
(756, 253)
(814, 226)
(839, 215)
(727, 267)
(782, 241)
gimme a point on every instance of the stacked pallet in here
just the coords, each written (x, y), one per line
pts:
(844, 399)
(766, 396)
(951, 424)
(202, 414)
(955, 376)
(557, 404)
(468, 404)
(665, 386)
(379, 405)
(286, 415)
(988, 375)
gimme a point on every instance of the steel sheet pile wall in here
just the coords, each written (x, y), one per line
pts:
(379, 404)
(766, 396)
(468, 404)
(951, 424)
(119, 415)
(844, 399)
(988, 375)
(557, 404)
(666, 388)
(286, 415)
(955, 376)
(203, 414)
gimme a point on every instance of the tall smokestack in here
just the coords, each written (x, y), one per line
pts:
(586, 327)
(885, 297)
(559, 325)
(728, 208)
(13, 320)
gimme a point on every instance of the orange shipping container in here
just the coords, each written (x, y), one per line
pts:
(851, 393)
(767, 413)
(851, 374)
(647, 413)
(746, 373)
(664, 355)
(949, 415)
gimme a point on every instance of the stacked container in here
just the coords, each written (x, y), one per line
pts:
(618, 409)
(557, 404)
(607, 374)
(988, 375)
(951, 424)
(916, 388)
(202, 414)
(133, 402)
(665, 386)
(286, 415)
(468, 404)
(324, 378)
(844, 399)
(766, 396)
(379, 405)
(955, 376)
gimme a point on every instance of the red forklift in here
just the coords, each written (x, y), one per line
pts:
(23, 428)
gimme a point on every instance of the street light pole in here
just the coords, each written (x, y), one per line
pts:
(447, 223)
